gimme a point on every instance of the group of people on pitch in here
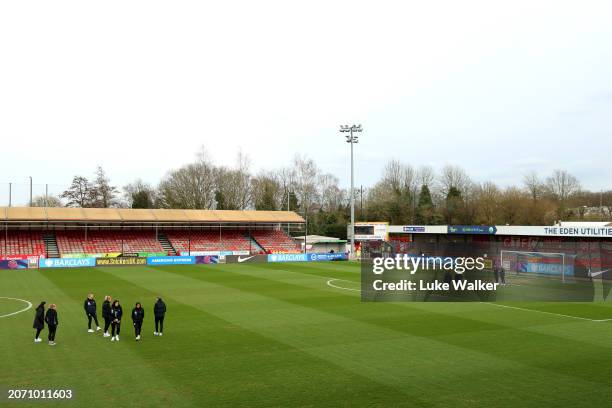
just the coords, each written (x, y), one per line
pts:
(50, 318)
(112, 313)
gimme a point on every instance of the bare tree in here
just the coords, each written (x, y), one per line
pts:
(454, 177)
(562, 185)
(103, 192)
(234, 185)
(425, 176)
(305, 173)
(191, 186)
(330, 194)
(46, 201)
(486, 200)
(533, 184)
(266, 191)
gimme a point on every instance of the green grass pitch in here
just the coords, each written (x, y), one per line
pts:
(280, 335)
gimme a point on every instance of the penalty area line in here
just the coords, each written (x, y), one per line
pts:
(28, 307)
(544, 312)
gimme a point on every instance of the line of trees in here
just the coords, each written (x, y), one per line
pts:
(407, 196)
(403, 195)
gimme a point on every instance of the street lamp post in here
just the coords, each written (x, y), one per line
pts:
(352, 138)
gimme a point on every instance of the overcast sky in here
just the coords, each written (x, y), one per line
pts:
(498, 88)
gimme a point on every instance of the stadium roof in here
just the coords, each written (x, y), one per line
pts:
(112, 215)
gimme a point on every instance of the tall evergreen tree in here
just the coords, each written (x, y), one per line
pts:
(425, 208)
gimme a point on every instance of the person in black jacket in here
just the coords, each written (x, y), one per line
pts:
(39, 321)
(52, 322)
(90, 311)
(159, 310)
(116, 314)
(137, 318)
(106, 314)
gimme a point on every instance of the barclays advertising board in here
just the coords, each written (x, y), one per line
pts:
(67, 262)
(288, 258)
(307, 257)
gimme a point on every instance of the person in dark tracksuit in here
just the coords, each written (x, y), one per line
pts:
(106, 314)
(502, 275)
(137, 318)
(39, 321)
(116, 314)
(159, 310)
(52, 322)
(90, 311)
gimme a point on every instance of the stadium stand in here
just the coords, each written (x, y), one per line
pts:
(65, 231)
(22, 243)
(275, 241)
(227, 240)
(100, 242)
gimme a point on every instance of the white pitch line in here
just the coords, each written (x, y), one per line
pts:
(329, 283)
(19, 311)
(544, 312)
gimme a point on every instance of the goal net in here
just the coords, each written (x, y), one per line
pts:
(553, 264)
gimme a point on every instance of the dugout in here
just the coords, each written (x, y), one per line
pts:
(321, 244)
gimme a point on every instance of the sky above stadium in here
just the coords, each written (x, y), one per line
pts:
(498, 88)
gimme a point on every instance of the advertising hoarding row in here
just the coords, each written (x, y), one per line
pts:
(167, 260)
(536, 231)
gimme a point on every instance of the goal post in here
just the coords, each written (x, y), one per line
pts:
(535, 262)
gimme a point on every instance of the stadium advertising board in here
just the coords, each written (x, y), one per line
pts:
(418, 229)
(246, 258)
(170, 260)
(370, 231)
(307, 257)
(408, 228)
(18, 257)
(288, 258)
(472, 229)
(13, 264)
(340, 256)
(539, 231)
(217, 253)
(148, 254)
(206, 259)
(67, 262)
(555, 231)
(120, 261)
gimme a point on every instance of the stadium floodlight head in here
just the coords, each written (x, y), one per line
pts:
(351, 137)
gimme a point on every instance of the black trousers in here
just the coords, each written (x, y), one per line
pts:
(38, 333)
(107, 323)
(137, 328)
(159, 324)
(52, 330)
(115, 328)
(94, 317)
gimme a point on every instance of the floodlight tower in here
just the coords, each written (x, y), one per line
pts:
(352, 138)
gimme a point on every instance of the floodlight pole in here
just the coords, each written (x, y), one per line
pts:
(352, 139)
(30, 191)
